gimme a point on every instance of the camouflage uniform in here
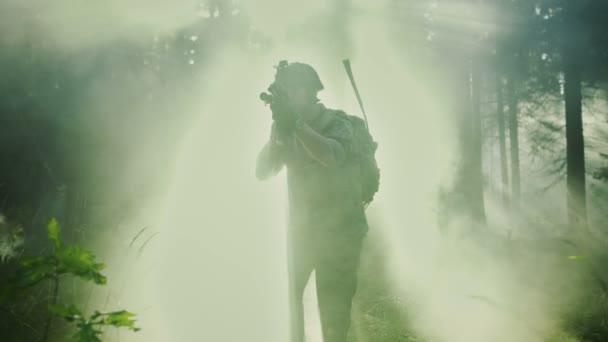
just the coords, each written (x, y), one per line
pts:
(326, 226)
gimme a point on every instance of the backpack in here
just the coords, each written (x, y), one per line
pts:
(368, 175)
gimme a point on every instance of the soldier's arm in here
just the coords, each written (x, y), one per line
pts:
(327, 151)
(269, 161)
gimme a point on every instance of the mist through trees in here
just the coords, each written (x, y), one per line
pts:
(492, 123)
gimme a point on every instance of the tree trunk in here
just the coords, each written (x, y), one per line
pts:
(575, 145)
(502, 139)
(465, 197)
(475, 160)
(514, 139)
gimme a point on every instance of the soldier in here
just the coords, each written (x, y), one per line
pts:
(327, 220)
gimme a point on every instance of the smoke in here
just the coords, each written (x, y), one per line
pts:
(276, 18)
(71, 26)
(210, 264)
(463, 286)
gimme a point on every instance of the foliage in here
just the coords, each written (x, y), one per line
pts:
(587, 321)
(64, 260)
(585, 318)
(381, 320)
(89, 329)
(10, 242)
(73, 260)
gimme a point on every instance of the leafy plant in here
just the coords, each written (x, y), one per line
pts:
(77, 261)
(89, 329)
(11, 240)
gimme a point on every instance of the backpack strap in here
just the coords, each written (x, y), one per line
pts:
(326, 119)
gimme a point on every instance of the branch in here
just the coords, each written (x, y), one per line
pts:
(49, 319)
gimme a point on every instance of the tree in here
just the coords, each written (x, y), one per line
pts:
(573, 36)
(514, 139)
(468, 54)
(475, 159)
(502, 140)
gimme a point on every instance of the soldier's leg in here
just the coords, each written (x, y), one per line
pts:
(300, 266)
(336, 286)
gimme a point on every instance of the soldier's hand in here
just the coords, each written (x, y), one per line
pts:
(284, 117)
(279, 140)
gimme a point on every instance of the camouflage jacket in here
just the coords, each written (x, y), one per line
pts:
(322, 197)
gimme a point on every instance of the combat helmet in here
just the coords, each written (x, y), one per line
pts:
(297, 74)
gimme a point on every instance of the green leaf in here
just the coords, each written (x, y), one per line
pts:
(577, 257)
(29, 262)
(69, 313)
(121, 318)
(52, 230)
(6, 290)
(88, 333)
(80, 262)
(34, 270)
(95, 315)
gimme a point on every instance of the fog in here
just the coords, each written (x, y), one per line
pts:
(209, 264)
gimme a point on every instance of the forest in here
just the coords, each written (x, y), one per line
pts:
(129, 210)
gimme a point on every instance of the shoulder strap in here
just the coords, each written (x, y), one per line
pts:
(326, 119)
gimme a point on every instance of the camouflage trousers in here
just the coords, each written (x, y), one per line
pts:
(335, 258)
